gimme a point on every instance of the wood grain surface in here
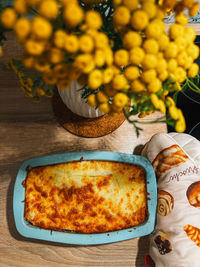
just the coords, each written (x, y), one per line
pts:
(29, 130)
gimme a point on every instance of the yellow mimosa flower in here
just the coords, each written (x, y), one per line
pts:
(56, 55)
(33, 47)
(49, 9)
(93, 19)
(91, 100)
(8, 18)
(40, 91)
(61, 70)
(60, 38)
(121, 57)
(20, 6)
(119, 82)
(49, 77)
(139, 20)
(95, 79)
(104, 108)
(120, 100)
(64, 84)
(131, 72)
(41, 28)
(71, 43)
(22, 28)
(86, 43)
(101, 97)
(73, 14)
(122, 16)
(41, 64)
(137, 86)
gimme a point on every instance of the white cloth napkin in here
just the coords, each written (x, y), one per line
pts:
(176, 239)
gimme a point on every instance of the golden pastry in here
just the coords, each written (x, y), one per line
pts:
(165, 203)
(163, 244)
(193, 233)
(168, 158)
(193, 194)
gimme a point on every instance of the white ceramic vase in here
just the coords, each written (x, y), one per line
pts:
(73, 100)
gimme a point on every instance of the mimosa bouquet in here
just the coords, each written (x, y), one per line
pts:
(119, 52)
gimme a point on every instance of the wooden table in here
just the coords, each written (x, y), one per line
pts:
(29, 130)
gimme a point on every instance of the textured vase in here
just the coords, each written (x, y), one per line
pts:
(73, 100)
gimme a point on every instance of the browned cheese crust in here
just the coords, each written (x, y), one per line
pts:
(86, 196)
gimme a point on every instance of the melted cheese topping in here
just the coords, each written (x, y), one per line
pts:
(86, 196)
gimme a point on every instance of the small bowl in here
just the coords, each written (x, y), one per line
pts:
(30, 231)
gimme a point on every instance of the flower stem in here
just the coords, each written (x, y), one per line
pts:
(193, 86)
(159, 120)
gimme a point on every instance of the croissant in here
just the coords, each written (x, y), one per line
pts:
(193, 233)
(167, 159)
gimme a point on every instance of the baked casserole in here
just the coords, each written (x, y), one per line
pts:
(86, 196)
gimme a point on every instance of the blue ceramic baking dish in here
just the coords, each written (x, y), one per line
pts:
(30, 231)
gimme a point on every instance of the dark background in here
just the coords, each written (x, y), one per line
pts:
(189, 102)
